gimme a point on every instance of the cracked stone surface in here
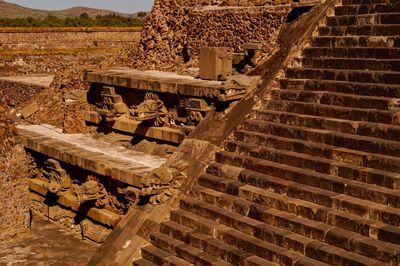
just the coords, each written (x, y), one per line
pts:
(46, 244)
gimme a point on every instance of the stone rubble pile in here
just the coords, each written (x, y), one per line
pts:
(175, 31)
(69, 72)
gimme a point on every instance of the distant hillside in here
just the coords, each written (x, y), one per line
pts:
(9, 10)
(76, 11)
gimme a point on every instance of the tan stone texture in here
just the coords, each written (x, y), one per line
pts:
(14, 198)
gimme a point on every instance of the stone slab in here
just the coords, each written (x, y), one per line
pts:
(128, 166)
(157, 81)
(29, 110)
(42, 80)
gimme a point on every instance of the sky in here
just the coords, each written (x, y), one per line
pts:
(123, 6)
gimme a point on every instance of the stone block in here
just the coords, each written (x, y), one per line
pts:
(75, 97)
(215, 63)
(29, 110)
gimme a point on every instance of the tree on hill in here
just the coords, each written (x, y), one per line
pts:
(141, 14)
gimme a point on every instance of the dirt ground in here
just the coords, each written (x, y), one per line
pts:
(46, 244)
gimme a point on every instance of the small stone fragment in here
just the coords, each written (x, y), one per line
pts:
(29, 110)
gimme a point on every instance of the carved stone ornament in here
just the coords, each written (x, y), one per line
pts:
(152, 109)
(165, 182)
(91, 190)
(58, 179)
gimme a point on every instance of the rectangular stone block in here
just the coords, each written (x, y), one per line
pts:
(215, 63)
(29, 110)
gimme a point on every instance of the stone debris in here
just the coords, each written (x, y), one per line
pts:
(14, 197)
(29, 110)
(62, 55)
(75, 97)
(18, 94)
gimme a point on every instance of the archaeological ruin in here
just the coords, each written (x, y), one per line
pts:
(251, 132)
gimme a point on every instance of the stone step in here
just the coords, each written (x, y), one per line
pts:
(230, 236)
(257, 261)
(319, 231)
(336, 98)
(383, 77)
(356, 41)
(269, 192)
(326, 188)
(320, 164)
(363, 2)
(375, 130)
(354, 52)
(362, 20)
(348, 63)
(256, 231)
(374, 30)
(381, 165)
(367, 89)
(143, 262)
(358, 9)
(340, 112)
(185, 252)
(158, 256)
(340, 140)
(209, 244)
(323, 189)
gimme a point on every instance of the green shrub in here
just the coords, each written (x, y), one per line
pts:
(84, 20)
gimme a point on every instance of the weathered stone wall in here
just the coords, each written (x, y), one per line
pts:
(175, 30)
(66, 39)
(235, 3)
(233, 27)
(14, 196)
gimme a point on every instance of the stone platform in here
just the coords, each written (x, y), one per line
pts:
(162, 106)
(86, 183)
(87, 153)
(164, 82)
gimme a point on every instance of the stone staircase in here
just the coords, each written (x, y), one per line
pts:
(313, 177)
